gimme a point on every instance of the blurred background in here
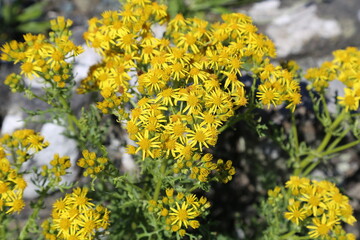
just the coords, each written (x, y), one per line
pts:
(306, 31)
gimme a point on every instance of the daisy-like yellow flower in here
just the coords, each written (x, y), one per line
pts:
(177, 23)
(36, 142)
(350, 100)
(200, 136)
(193, 103)
(313, 200)
(296, 213)
(79, 199)
(181, 215)
(321, 227)
(146, 144)
(30, 69)
(14, 200)
(295, 183)
(267, 95)
(88, 223)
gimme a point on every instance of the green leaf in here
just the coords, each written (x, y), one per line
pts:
(175, 7)
(32, 12)
(34, 27)
(220, 10)
(7, 13)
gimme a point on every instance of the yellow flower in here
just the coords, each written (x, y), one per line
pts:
(30, 69)
(267, 95)
(200, 136)
(313, 200)
(36, 142)
(295, 214)
(350, 100)
(14, 201)
(88, 222)
(78, 199)
(193, 103)
(146, 144)
(217, 101)
(321, 228)
(4, 187)
(295, 183)
(64, 226)
(182, 215)
(177, 23)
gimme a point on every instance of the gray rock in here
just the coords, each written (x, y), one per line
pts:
(292, 28)
(354, 191)
(303, 28)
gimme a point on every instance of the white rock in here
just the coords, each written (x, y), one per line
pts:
(292, 28)
(84, 61)
(335, 88)
(60, 144)
(128, 162)
(12, 122)
(158, 30)
(265, 11)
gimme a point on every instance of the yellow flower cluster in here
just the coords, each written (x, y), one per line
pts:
(15, 149)
(345, 67)
(91, 163)
(274, 196)
(320, 206)
(179, 212)
(75, 217)
(203, 169)
(42, 57)
(278, 85)
(187, 83)
(208, 58)
(12, 186)
(23, 144)
(59, 165)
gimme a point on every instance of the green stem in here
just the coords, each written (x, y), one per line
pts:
(158, 184)
(338, 139)
(318, 152)
(295, 139)
(331, 151)
(2, 226)
(329, 133)
(40, 98)
(341, 148)
(64, 103)
(231, 122)
(287, 235)
(32, 219)
(310, 168)
(322, 96)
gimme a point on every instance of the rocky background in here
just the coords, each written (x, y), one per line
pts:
(304, 30)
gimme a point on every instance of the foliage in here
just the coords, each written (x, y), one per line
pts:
(174, 94)
(18, 17)
(200, 8)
